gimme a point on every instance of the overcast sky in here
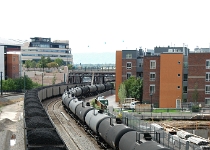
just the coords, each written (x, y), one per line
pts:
(108, 25)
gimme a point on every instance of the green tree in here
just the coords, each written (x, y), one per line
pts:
(59, 61)
(48, 60)
(128, 85)
(52, 65)
(43, 62)
(27, 64)
(8, 85)
(33, 64)
(70, 66)
(122, 93)
(137, 89)
(53, 79)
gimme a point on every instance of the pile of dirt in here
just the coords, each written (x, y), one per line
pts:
(7, 121)
(5, 124)
(2, 126)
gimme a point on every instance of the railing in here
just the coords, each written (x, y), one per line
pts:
(164, 138)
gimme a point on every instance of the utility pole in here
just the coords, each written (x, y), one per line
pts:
(24, 83)
(1, 83)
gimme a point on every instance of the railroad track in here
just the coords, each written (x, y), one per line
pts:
(74, 136)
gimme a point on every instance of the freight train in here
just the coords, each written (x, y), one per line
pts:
(39, 131)
(107, 131)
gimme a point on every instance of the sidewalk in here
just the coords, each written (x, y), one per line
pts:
(112, 102)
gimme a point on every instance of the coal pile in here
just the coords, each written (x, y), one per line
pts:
(38, 122)
(40, 133)
(35, 112)
(43, 137)
(47, 148)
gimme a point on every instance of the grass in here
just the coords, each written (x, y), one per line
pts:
(165, 110)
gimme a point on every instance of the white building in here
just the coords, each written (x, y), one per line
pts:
(39, 47)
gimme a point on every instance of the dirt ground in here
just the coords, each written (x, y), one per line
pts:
(10, 112)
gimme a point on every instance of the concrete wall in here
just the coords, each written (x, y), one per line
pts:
(2, 63)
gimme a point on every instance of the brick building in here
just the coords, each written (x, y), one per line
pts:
(164, 71)
(199, 77)
(10, 59)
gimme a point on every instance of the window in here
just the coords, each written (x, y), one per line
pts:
(207, 100)
(129, 65)
(185, 77)
(152, 88)
(128, 75)
(178, 87)
(207, 64)
(140, 64)
(152, 76)
(185, 89)
(179, 62)
(185, 64)
(152, 64)
(207, 76)
(128, 56)
(61, 46)
(207, 91)
(178, 75)
(13, 58)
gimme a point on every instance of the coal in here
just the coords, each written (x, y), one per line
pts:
(35, 112)
(43, 137)
(38, 122)
(33, 103)
(47, 148)
(31, 99)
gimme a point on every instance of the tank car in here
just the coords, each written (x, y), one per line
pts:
(92, 89)
(77, 91)
(85, 90)
(73, 105)
(112, 132)
(100, 88)
(108, 86)
(136, 141)
(93, 119)
(82, 110)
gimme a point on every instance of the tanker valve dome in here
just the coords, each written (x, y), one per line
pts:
(147, 137)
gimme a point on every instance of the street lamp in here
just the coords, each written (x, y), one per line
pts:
(151, 103)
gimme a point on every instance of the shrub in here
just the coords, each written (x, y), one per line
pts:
(195, 108)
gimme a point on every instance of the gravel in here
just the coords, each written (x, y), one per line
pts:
(20, 144)
(5, 139)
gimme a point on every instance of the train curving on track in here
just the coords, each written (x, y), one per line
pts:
(39, 131)
(107, 131)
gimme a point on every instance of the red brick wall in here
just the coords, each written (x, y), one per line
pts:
(197, 74)
(147, 82)
(12, 65)
(125, 70)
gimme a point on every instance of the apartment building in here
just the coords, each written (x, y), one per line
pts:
(164, 71)
(39, 47)
(198, 89)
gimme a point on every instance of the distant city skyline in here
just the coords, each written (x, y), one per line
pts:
(107, 26)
